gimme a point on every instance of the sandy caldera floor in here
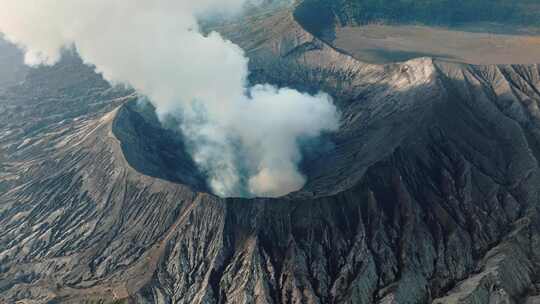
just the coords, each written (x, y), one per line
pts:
(385, 43)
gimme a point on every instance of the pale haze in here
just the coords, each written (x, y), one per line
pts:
(244, 138)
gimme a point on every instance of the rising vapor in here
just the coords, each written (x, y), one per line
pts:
(244, 138)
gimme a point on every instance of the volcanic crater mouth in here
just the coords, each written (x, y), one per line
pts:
(161, 152)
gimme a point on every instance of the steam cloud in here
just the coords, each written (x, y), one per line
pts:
(245, 138)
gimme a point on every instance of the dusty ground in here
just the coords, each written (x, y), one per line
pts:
(384, 43)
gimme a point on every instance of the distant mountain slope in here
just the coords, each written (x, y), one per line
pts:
(432, 12)
(475, 32)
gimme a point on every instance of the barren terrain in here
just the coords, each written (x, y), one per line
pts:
(475, 45)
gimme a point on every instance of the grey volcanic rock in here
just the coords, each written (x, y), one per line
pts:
(428, 192)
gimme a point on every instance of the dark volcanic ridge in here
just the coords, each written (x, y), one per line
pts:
(429, 192)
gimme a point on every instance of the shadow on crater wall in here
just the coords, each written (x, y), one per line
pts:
(153, 150)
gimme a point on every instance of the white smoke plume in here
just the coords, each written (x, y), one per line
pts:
(245, 138)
